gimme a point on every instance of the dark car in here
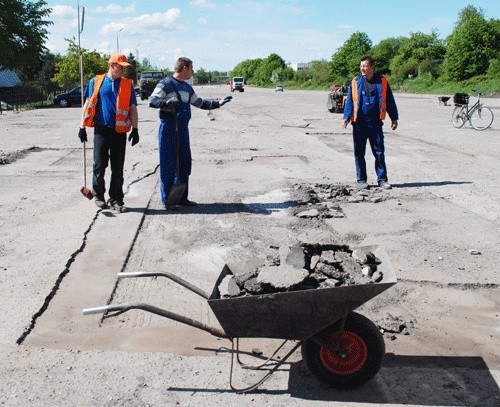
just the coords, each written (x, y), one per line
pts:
(73, 97)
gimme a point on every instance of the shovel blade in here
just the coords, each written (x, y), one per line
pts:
(175, 195)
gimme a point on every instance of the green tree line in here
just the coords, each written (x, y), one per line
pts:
(472, 50)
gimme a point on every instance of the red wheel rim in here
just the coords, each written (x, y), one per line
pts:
(353, 346)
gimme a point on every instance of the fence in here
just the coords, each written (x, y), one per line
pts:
(22, 97)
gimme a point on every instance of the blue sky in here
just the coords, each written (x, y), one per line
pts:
(218, 34)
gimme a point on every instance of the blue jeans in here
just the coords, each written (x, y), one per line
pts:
(362, 132)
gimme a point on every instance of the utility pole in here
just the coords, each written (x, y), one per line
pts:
(117, 45)
(80, 57)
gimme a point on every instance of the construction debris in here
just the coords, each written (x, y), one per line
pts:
(306, 266)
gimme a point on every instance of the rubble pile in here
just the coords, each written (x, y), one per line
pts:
(306, 266)
(391, 326)
(324, 199)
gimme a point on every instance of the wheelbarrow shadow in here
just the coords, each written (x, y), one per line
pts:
(429, 184)
(402, 380)
(415, 380)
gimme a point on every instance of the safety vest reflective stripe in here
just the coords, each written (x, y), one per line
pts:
(355, 105)
(383, 99)
(355, 99)
(123, 123)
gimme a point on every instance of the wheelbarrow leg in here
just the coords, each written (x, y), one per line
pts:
(266, 376)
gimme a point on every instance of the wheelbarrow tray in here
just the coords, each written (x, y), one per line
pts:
(294, 314)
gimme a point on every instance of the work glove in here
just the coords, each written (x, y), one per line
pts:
(222, 102)
(172, 104)
(134, 136)
(82, 135)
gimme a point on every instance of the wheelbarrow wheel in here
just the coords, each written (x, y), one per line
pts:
(363, 347)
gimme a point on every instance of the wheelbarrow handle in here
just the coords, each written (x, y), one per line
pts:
(173, 277)
(121, 308)
(104, 308)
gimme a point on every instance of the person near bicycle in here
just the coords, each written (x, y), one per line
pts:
(369, 98)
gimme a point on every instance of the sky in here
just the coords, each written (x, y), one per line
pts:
(219, 34)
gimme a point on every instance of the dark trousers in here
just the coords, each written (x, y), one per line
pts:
(168, 157)
(109, 146)
(373, 133)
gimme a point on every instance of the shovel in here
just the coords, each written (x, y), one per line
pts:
(177, 190)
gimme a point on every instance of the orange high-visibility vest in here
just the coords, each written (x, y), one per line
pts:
(123, 123)
(355, 99)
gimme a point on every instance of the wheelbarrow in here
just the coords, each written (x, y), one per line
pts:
(340, 347)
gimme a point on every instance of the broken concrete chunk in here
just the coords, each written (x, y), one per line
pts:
(377, 276)
(253, 286)
(360, 256)
(314, 261)
(224, 286)
(329, 270)
(241, 278)
(328, 257)
(372, 259)
(311, 213)
(296, 257)
(340, 256)
(329, 283)
(282, 277)
(367, 271)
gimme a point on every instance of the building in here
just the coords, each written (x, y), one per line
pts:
(300, 66)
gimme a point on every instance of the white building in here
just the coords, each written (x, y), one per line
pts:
(299, 66)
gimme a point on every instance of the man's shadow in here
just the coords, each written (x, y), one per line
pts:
(219, 208)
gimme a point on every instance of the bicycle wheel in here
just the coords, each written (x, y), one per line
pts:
(481, 118)
(458, 117)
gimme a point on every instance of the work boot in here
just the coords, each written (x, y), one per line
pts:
(171, 207)
(100, 202)
(117, 205)
(362, 185)
(384, 185)
(187, 202)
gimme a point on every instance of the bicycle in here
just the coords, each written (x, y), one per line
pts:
(479, 116)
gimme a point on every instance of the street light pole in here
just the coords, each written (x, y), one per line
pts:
(117, 45)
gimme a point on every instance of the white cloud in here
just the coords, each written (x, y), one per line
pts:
(202, 20)
(345, 26)
(114, 9)
(61, 12)
(201, 4)
(146, 22)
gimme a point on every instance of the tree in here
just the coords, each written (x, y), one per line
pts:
(471, 45)
(40, 76)
(68, 68)
(22, 32)
(417, 54)
(202, 77)
(131, 71)
(384, 52)
(345, 62)
(266, 68)
(246, 69)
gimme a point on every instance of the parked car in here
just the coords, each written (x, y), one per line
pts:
(279, 88)
(73, 97)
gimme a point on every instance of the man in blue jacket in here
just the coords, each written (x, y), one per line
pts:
(174, 97)
(368, 100)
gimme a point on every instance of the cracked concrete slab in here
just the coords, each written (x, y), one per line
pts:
(442, 206)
